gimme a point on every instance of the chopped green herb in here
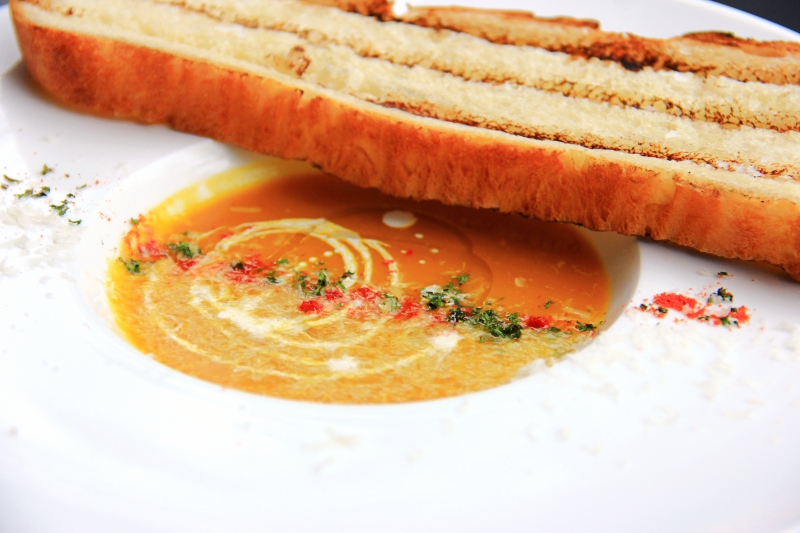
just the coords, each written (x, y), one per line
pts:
(339, 285)
(10, 180)
(450, 288)
(281, 261)
(133, 266)
(134, 221)
(3, 186)
(33, 194)
(271, 277)
(495, 325)
(348, 274)
(322, 282)
(722, 294)
(461, 278)
(76, 222)
(457, 315)
(584, 327)
(433, 299)
(300, 281)
(725, 321)
(185, 249)
(663, 310)
(237, 265)
(46, 170)
(79, 187)
(390, 303)
(548, 303)
(722, 274)
(553, 329)
(61, 208)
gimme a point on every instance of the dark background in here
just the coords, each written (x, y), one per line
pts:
(783, 12)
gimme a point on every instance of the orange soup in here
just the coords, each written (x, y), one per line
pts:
(303, 287)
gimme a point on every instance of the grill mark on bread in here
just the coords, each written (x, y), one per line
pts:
(759, 153)
(607, 82)
(594, 142)
(731, 56)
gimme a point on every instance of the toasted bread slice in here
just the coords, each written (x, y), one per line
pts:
(436, 114)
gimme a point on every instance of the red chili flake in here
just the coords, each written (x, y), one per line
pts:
(408, 309)
(311, 306)
(365, 293)
(186, 265)
(537, 322)
(388, 261)
(333, 293)
(677, 302)
(151, 249)
(408, 252)
(740, 315)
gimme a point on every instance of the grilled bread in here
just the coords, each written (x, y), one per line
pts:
(430, 108)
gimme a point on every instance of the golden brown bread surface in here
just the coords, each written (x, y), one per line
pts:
(703, 53)
(377, 8)
(412, 156)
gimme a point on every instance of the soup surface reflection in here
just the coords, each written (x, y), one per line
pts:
(279, 280)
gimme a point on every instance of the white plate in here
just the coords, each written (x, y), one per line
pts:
(656, 426)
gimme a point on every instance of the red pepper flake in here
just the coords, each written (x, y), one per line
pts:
(186, 265)
(537, 322)
(365, 293)
(333, 294)
(739, 314)
(152, 250)
(408, 252)
(311, 306)
(408, 309)
(676, 302)
(388, 261)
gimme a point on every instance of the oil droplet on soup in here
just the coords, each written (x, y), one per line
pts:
(279, 280)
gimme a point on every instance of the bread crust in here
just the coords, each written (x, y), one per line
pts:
(410, 156)
(374, 8)
(704, 53)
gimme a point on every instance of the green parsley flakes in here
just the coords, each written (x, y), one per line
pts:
(185, 249)
(133, 266)
(461, 278)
